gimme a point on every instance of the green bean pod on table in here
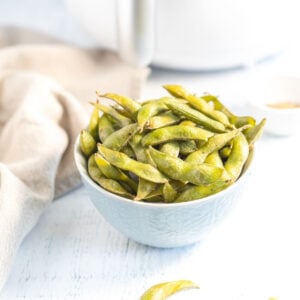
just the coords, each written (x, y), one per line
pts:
(177, 148)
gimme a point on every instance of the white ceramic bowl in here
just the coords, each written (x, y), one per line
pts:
(159, 224)
(276, 90)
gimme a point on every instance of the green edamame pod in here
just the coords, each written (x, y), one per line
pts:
(118, 139)
(238, 156)
(196, 116)
(214, 159)
(129, 151)
(218, 105)
(188, 123)
(123, 121)
(162, 290)
(215, 142)
(128, 104)
(149, 110)
(124, 162)
(237, 121)
(172, 148)
(225, 151)
(110, 185)
(169, 192)
(145, 188)
(88, 145)
(93, 124)
(176, 132)
(93, 169)
(112, 172)
(162, 120)
(140, 152)
(105, 127)
(254, 133)
(201, 191)
(187, 147)
(178, 169)
(197, 102)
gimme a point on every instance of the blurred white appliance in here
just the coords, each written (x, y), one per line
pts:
(188, 34)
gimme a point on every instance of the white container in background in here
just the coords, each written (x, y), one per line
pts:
(190, 34)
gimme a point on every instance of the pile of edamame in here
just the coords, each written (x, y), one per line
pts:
(173, 149)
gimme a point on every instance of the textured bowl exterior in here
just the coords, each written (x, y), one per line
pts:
(158, 224)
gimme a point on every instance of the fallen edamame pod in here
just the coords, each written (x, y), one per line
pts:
(196, 116)
(163, 290)
(88, 145)
(178, 169)
(118, 139)
(238, 156)
(176, 132)
(124, 162)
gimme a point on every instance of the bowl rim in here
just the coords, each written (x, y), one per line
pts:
(78, 157)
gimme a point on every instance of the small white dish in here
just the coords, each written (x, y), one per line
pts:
(278, 100)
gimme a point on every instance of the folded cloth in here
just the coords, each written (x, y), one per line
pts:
(44, 91)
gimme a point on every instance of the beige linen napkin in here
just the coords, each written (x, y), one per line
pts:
(44, 91)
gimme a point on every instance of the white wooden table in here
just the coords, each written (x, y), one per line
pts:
(74, 254)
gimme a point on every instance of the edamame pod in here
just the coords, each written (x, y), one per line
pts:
(197, 102)
(124, 162)
(254, 133)
(93, 124)
(238, 156)
(88, 145)
(163, 290)
(145, 188)
(123, 121)
(162, 120)
(118, 139)
(176, 132)
(178, 169)
(169, 192)
(201, 191)
(215, 142)
(187, 147)
(196, 116)
(110, 185)
(105, 127)
(172, 148)
(128, 104)
(112, 172)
